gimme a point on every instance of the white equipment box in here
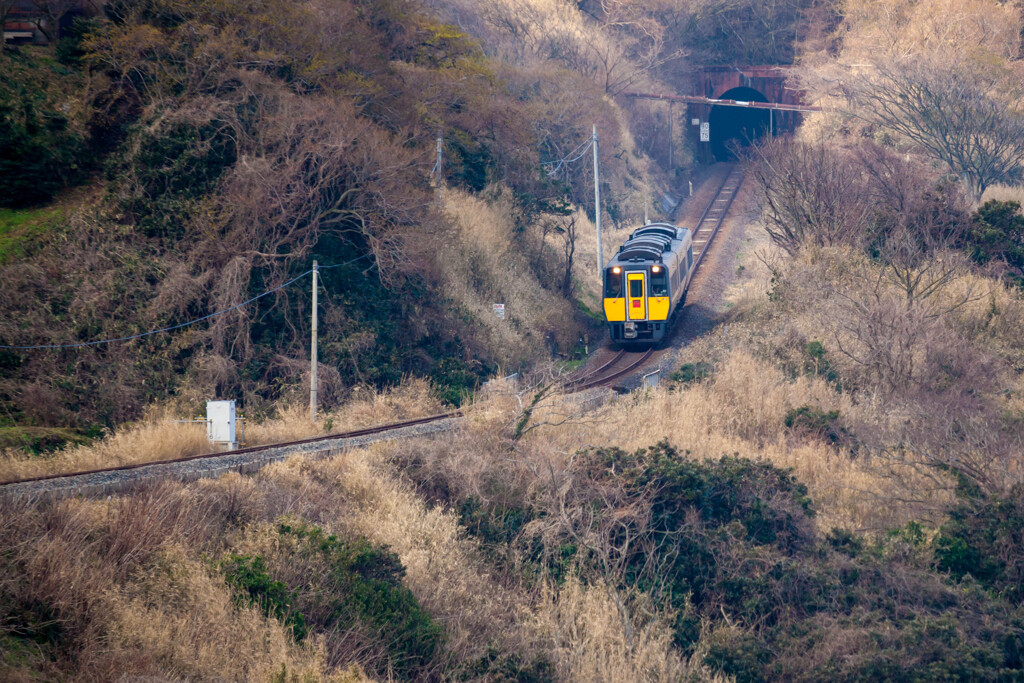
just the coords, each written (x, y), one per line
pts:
(221, 425)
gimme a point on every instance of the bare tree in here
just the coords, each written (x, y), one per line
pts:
(5, 10)
(916, 223)
(566, 229)
(54, 11)
(958, 113)
(810, 195)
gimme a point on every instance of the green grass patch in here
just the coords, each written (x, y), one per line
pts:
(692, 372)
(22, 659)
(597, 316)
(39, 440)
(21, 228)
(571, 365)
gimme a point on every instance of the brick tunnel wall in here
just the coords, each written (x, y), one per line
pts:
(714, 82)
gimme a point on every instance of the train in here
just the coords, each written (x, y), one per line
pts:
(645, 283)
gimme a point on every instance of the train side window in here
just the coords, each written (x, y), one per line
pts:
(689, 258)
(659, 283)
(612, 284)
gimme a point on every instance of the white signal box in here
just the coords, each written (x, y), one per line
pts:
(221, 425)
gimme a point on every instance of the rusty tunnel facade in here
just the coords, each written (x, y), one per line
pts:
(719, 132)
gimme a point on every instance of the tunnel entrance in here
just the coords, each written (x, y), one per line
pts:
(734, 128)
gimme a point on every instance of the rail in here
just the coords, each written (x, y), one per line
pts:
(711, 219)
(249, 457)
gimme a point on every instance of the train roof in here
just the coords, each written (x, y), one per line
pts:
(651, 242)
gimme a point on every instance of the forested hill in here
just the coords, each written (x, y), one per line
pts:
(217, 148)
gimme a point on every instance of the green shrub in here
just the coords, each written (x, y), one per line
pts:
(738, 654)
(456, 379)
(365, 589)
(249, 577)
(69, 48)
(40, 153)
(165, 172)
(692, 372)
(817, 363)
(997, 234)
(984, 538)
(818, 423)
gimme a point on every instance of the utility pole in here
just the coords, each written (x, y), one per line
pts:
(671, 143)
(597, 206)
(439, 165)
(312, 353)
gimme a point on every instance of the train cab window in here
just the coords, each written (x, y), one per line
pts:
(612, 284)
(659, 283)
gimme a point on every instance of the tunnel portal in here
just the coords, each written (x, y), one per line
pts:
(734, 128)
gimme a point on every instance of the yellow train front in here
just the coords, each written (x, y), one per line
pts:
(646, 282)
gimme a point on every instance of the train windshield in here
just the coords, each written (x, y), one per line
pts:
(636, 288)
(659, 283)
(612, 284)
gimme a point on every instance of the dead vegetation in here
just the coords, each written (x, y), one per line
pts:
(164, 436)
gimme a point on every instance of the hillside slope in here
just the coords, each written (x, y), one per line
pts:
(229, 144)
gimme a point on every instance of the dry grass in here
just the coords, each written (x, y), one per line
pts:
(409, 400)
(443, 568)
(154, 438)
(123, 586)
(135, 574)
(587, 634)
(159, 437)
(483, 267)
(594, 636)
(1004, 193)
(742, 410)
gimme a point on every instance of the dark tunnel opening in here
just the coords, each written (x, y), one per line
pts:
(734, 128)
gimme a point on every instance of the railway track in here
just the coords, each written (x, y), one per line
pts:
(112, 479)
(608, 372)
(711, 219)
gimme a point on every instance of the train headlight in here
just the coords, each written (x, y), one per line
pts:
(655, 269)
(616, 270)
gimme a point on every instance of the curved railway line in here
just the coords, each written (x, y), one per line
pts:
(118, 478)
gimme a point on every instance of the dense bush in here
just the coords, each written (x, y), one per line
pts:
(984, 539)
(165, 169)
(363, 592)
(692, 372)
(248, 575)
(731, 546)
(40, 151)
(997, 234)
(818, 423)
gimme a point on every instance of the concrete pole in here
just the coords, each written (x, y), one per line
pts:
(597, 207)
(312, 352)
(671, 142)
(440, 165)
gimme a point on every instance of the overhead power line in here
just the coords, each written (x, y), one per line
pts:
(571, 157)
(180, 325)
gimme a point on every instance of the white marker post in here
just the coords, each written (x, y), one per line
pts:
(597, 208)
(312, 352)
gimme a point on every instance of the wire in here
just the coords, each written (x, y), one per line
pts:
(575, 155)
(181, 325)
(350, 261)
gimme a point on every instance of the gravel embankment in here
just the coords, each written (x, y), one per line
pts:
(118, 481)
